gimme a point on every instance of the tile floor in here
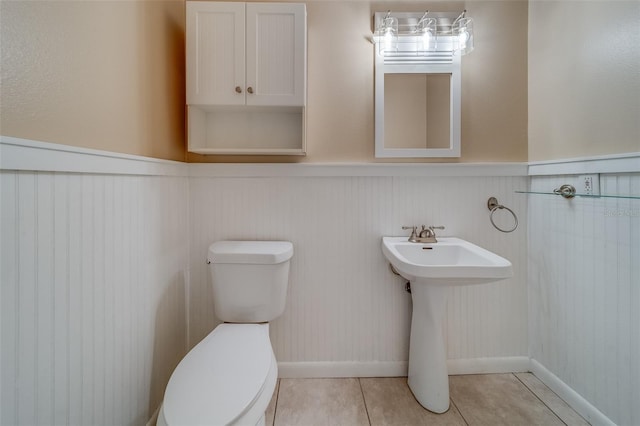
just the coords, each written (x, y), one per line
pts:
(486, 399)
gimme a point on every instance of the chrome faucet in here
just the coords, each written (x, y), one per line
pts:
(426, 235)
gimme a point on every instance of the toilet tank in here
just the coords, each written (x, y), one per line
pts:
(249, 279)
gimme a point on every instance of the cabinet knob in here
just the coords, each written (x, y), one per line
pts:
(250, 89)
(238, 89)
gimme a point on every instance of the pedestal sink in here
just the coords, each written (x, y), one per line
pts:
(431, 268)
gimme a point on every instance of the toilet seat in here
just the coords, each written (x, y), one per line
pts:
(222, 377)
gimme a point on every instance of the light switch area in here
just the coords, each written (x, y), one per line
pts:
(589, 184)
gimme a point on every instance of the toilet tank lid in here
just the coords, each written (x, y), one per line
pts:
(250, 252)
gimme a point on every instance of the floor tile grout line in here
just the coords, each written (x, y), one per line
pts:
(275, 407)
(366, 409)
(539, 399)
(558, 396)
(459, 412)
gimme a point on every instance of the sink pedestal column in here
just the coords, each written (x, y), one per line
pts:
(428, 376)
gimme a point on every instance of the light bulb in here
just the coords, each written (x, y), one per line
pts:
(428, 35)
(388, 35)
(463, 37)
(426, 39)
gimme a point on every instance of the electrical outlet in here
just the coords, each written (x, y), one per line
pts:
(589, 185)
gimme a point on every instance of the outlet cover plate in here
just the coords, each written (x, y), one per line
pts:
(589, 184)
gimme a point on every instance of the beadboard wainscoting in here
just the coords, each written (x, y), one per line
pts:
(93, 298)
(584, 295)
(347, 314)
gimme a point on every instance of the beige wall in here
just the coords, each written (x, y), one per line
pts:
(98, 74)
(340, 107)
(584, 78)
(110, 75)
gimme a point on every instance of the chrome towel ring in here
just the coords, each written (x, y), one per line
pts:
(493, 205)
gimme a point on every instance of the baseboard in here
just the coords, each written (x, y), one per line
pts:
(511, 364)
(571, 397)
(299, 370)
(296, 370)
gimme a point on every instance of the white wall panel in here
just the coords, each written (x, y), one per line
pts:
(105, 286)
(584, 299)
(93, 295)
(344, 305)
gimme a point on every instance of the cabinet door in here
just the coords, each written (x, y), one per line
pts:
(215, 53)
(276, 54)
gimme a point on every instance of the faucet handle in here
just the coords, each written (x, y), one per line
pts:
(413, 236)
(433, 229)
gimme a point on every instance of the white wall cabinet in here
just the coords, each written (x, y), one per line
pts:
(246, 77)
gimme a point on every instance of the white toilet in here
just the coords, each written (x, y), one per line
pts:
(229, 377)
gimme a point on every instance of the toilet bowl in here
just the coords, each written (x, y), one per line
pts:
(229, 377)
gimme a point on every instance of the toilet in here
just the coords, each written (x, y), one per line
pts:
(229, 377)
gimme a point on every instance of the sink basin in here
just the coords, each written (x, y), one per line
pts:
(431, 268)
(450, 261)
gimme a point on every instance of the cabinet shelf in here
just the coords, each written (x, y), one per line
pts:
(266, 151)
(246, 130)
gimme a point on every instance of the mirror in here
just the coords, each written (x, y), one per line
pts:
(417, 108)
(416, 111)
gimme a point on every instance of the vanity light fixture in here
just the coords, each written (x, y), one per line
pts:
(400, 36)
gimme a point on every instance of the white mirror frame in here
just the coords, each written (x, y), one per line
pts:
(452, 68)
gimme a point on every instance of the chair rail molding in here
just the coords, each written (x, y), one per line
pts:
(25, 154)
